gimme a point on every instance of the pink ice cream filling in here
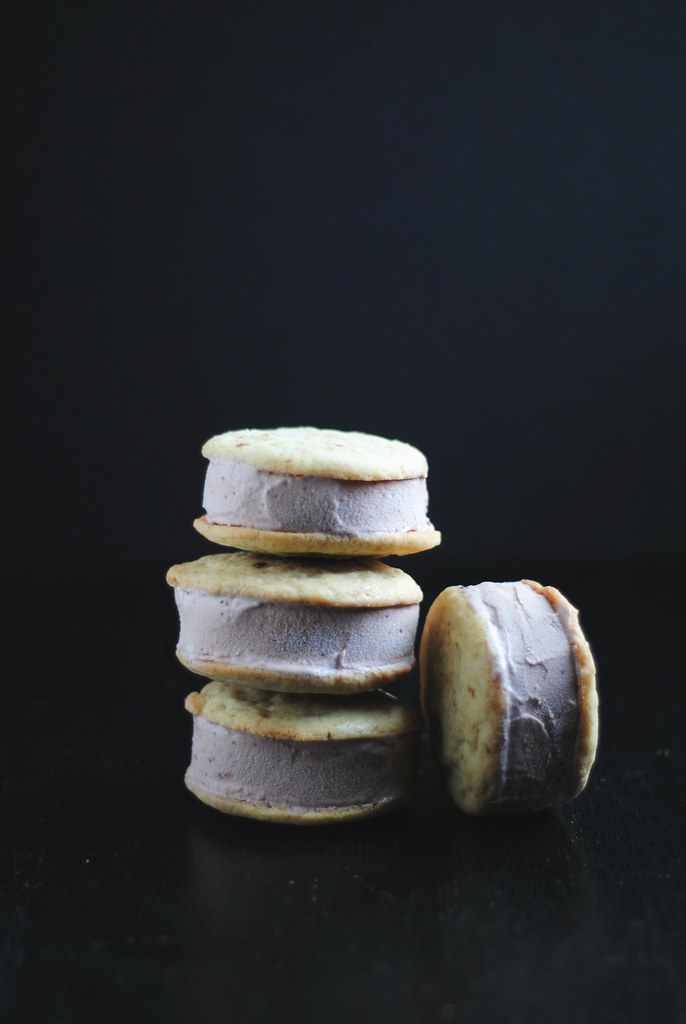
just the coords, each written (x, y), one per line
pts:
(240, 495)
(538, 675)
(300, 775)
(310, 640)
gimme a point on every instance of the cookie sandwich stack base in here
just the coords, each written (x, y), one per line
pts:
(299, 629)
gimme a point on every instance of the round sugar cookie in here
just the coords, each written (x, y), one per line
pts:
(302, 490)
(303, 759)
(295, 624)
(509, 695)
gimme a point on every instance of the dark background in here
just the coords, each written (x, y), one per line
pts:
(459, 224)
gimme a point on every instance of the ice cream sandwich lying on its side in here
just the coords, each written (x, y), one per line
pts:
(295, 624)
(300, 490)
(301, 759)
(509, 695)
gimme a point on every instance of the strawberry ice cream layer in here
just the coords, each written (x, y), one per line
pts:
(315, 640)
(297, 775)
(239, 495)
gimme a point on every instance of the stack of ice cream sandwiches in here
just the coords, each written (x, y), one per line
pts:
(299, 628)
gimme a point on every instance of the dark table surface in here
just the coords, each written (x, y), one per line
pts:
(123, 897)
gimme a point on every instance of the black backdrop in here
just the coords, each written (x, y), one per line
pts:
(460, 224)
(457, 224)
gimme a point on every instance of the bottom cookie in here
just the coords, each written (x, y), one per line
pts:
(300, 759)
(297, 816)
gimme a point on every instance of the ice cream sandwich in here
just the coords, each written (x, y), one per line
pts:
(300, 490)
(301, 625)
(509, 695)
(301, 759)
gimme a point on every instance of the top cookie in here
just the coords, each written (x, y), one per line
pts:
(355, 583)
(301, 717)
(309, 451)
